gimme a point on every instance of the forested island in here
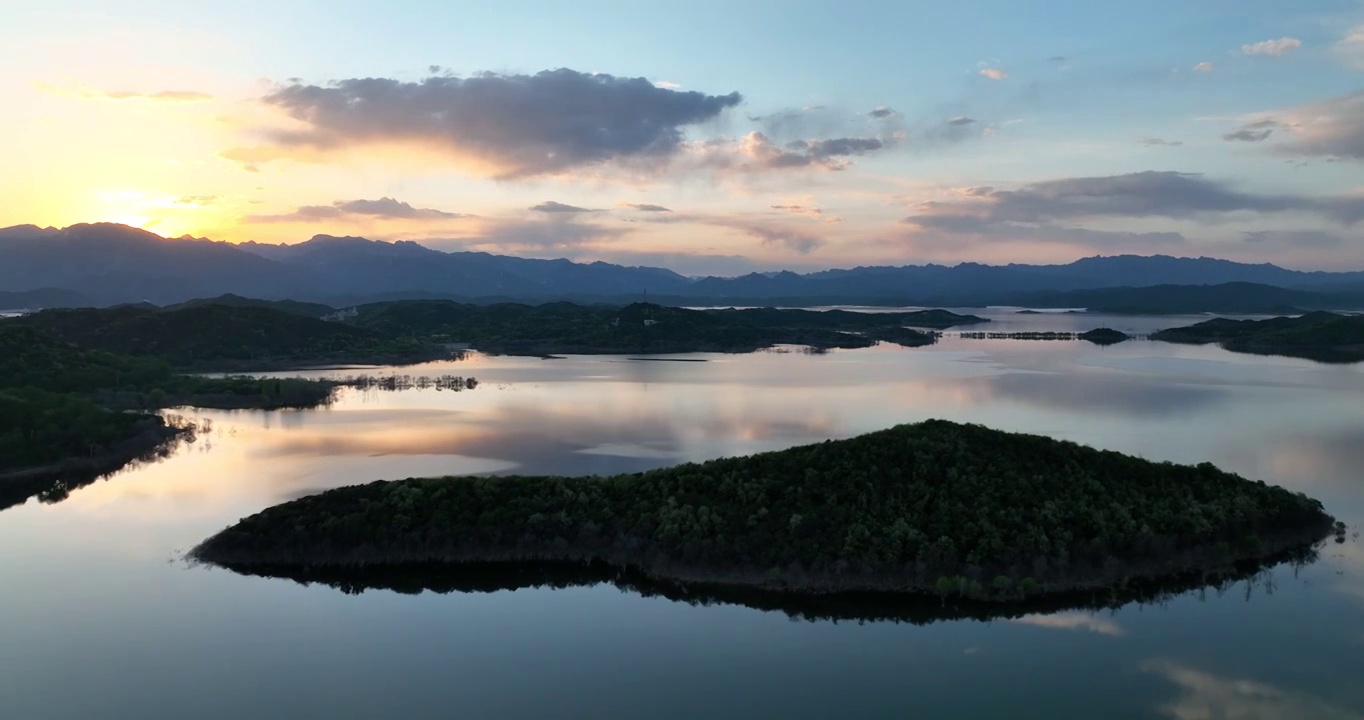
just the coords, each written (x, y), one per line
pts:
(1321, 336)
(935, 508)
(646, 328)
(239, 334)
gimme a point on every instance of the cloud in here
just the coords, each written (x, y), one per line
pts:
(1350, 49)
(1331, 128)
(158, 96)
(994, 73)
(502, 126)
(646, 207)
(1275, 48)
(1258, 131)
(1316, 239)
(536, 236)
(1074, 621)
(1204, 67)
(550, 206)
(881, 113)
(757, 152)
(1185, 196)
(807, 211)
(196, 200)
(799, 242)
(960, 120)
(1149, 141)
(666, 85)
(384, 207)
(1057, 59)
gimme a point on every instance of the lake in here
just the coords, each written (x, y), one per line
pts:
(102, 617)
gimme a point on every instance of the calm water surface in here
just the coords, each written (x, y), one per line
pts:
(101, 619)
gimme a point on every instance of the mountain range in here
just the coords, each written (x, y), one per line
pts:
(104, 264)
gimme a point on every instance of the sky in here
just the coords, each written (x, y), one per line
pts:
(706, 137)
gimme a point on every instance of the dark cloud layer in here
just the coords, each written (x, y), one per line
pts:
(646, 207)
(384, 207)
(550, 206)
(757, 152)
(510, 125)
(1330, 128)
(1315, 239)
(1144, 194)
(1258, 131)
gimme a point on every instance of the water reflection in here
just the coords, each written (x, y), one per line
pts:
(51, 488)
(547, 439)
(1090, 622)
(1109, 395)
(1204, 695)
(1054, 612)
(277, 648)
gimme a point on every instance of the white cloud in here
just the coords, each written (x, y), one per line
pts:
(994, 73)
(1350, 49)
(1204, 67)
(1282, 46)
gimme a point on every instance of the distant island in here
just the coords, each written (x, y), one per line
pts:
(1320, 336)
(240, 334)
(935, 508)
(645, 328)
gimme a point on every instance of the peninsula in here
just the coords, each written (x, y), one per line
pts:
(933, 508)
(1321, 336)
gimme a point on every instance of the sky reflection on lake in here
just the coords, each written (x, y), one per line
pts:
(102, 620)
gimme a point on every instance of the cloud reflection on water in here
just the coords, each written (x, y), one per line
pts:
(1205, 696)
(1075, 621)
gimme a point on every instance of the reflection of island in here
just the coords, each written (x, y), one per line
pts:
(1321, 336)
(54, 483)
(1098, 336)
(861, 606)
(956, 511)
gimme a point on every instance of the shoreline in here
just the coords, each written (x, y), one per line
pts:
(112, 460)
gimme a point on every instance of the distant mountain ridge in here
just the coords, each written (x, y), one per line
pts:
(110, 264)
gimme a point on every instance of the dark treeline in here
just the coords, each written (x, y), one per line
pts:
(64, 406)
(55, 481)
(951, 510)
(209, 336)
(1321, 336)
(640, 328)
(232, 333)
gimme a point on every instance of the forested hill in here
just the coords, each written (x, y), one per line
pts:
(644, 327)
(1321, 336)
(935, 507)
(212, 336)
